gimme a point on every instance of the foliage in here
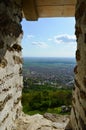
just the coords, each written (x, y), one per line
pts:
(45, 100)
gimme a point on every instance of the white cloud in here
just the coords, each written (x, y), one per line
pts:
(40, 44)
(50, 39)
(64, 39)
(30, 36)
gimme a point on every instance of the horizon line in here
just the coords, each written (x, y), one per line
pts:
(45, 57)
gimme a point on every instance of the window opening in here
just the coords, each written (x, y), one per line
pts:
(48, 55)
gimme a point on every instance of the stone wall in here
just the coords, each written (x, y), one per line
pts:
(10, 63)
(78, 114)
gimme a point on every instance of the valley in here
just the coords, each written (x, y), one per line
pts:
(48, 84)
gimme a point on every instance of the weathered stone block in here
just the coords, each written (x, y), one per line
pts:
(1, 44)
(80, 10)
(75, 69)
(82, 123)
(78, 31)
(3, 63)
(17, 47)
(78, 56)
(17, 60)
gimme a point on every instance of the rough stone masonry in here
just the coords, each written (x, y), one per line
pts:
(78, 114)
(11, 65)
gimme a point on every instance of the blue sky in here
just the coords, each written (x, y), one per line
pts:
(49, 37)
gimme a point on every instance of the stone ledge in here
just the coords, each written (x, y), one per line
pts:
(38, 122)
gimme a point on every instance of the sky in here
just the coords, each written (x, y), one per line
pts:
(49, 37)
